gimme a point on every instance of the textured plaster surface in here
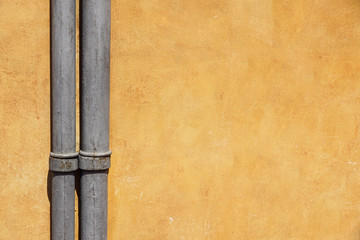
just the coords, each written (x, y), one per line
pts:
(24, 119)
(229, 119)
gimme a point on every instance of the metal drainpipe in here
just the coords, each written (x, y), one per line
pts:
(63, 160)
(94, 159)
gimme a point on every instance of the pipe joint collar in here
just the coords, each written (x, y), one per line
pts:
(59, 162)
(94, 161)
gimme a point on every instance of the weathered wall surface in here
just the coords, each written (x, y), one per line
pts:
(24, 119)
(232, 119)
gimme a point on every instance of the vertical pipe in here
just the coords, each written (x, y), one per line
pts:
(63, 157)
(63, 203)
(94, 120)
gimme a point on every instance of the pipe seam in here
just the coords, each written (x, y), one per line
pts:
(64, 155)
(95, 154)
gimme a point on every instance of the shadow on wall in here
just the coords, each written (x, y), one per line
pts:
(49, 187)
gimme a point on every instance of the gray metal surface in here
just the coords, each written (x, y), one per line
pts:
(94, 117)
(63, 70)
(94, 163)
(63, 206)
(63, 160)
(95, 73)
(94, 190)
(63, 164)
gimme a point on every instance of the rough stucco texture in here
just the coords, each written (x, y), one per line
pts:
(230, 119)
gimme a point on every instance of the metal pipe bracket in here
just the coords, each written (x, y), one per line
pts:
(59, 162)
(94, 161)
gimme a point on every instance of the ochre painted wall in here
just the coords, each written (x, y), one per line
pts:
(230, 119)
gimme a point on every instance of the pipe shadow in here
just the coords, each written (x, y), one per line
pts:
(78, 194)
(49, 174)
(49, 195)
(79, 172)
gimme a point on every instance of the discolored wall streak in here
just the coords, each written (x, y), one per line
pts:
(229, 119)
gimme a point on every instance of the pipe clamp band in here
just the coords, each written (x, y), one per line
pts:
(94, 161)
(63, 162)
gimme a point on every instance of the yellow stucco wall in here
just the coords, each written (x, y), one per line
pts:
(230, 119)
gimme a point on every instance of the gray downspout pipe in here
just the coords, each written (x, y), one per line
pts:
(63, 161)
(94, 159)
